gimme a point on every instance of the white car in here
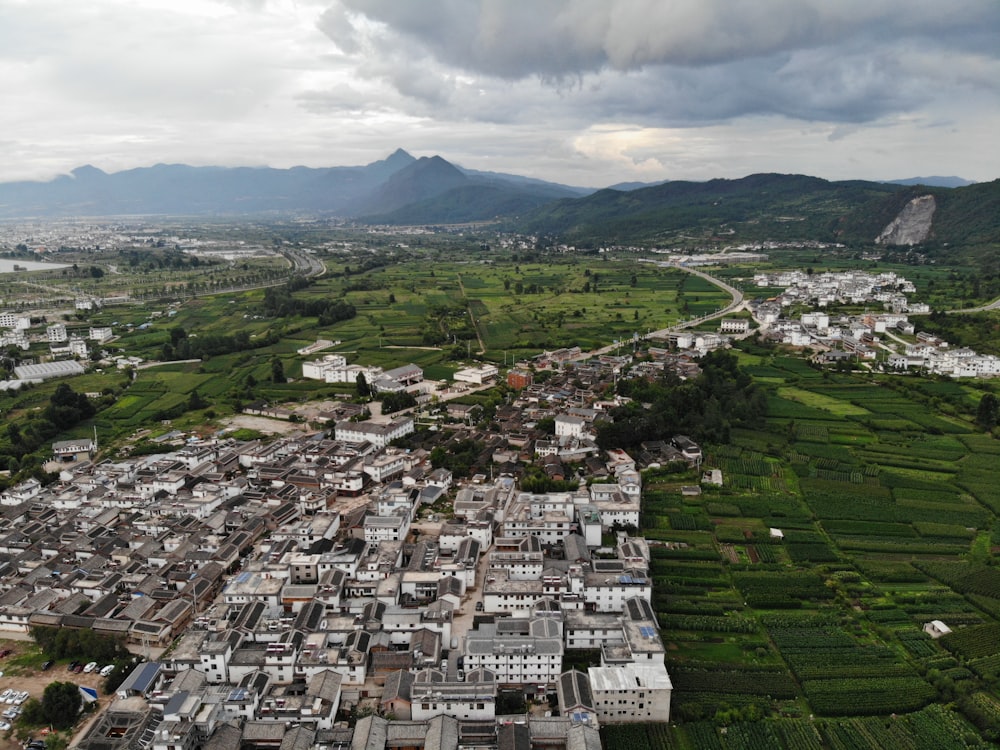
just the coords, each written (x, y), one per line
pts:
(105, 671)
(90, 667)
(5, 695)
(4, 726)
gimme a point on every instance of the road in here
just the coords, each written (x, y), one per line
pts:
(737, 304)
(994, 305)
(734, 306)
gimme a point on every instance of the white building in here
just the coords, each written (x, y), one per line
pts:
(475, 699)
(477, 375)
(631, 693)
(78, 347)
(548, 517)
(568, 425)
(379, 434)
(734, 325)
(13, 320)
(518, 651)
(608, 591)
(56, 333)
(386, 528)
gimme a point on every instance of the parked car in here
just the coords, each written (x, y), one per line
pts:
(6, 652)
(72, 665)
(78, 668)
(5, 695)
(106, 670)
(4, 726)
(90, 667)
(47, 665)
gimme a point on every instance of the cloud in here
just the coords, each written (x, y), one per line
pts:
(518, 38)
(584, 91)
(684, 61)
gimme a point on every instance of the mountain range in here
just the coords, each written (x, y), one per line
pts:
(402, 189)
(382, 187)
(769, 207)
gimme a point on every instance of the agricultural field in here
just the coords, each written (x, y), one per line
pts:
(859, 512)
(439, 307)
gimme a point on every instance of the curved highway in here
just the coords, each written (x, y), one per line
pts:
(736, 304)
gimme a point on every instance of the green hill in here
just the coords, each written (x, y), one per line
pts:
(767, 207)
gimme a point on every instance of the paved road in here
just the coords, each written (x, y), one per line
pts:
(994, 305)
(737, 304)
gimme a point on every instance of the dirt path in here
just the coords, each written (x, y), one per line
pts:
(475, 325)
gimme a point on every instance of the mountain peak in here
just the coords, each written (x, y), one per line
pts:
(399, 159)
(87, 171)
(438, 165)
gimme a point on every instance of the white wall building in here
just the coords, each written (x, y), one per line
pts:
(477, 375)
(56, 333)
(631, 693)
(379, 434)
(518, 652)
(568, 425)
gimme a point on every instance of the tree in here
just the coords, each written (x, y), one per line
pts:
(59, 706)
(177, 333)
(393, 402)
(362, 383)
(988, 412)
(546, 425)
(277, 371)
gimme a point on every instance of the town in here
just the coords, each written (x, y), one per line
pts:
(297, 582)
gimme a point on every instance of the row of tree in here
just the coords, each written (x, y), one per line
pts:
(203, 346)
(279, 302)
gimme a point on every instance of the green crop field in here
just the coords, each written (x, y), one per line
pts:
(882, 504)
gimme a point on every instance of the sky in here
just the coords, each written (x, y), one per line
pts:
(582, 92)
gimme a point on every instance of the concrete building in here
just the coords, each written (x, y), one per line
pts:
(518, 651)
(631, 693)
(379, 434)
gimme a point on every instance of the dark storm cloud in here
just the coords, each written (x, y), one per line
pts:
(683, 61)
(517, 38)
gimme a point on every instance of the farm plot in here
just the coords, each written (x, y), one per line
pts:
(932, 727)
(781, 589)
(842, 676)
(819, 401)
